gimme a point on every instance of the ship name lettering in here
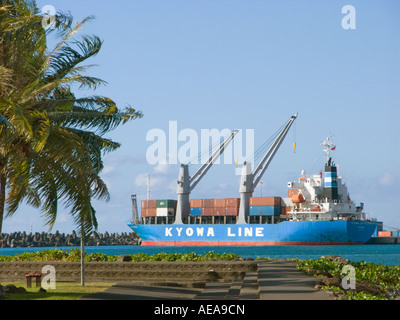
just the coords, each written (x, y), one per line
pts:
(246, 232)
(200, 232)
(168, 232)
(179, 231)
(210, 232)
(190, 232)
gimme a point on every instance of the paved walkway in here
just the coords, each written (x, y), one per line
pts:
(278, 280)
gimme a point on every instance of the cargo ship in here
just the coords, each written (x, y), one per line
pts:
(317, 210)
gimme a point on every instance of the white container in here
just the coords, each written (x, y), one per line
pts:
(162, 212)
(165, 212)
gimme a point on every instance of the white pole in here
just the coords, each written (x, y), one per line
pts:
(82, 258)
(148, 187)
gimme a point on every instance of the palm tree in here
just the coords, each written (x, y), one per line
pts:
(56, 140)
(51, 142)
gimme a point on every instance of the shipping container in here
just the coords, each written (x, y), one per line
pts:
(265, 201)
(196, 212)
(165, 203)
(265, 210)
(293, 192)
(196, 203)
(384, 233)
(208, 203)
(208, 212)
(395, 233)
(286, 210)
(232, 202)
(232, 211)
(219, 203)
(149, 212)
(165, 212)
(149, 204)
(220, 211)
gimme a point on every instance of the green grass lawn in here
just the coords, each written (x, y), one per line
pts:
(63, 291)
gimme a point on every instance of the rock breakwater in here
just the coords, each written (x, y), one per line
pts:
(57, 239)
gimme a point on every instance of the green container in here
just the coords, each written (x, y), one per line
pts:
(165, 203)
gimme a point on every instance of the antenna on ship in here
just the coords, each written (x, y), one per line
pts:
(148, 187)
(328, 146)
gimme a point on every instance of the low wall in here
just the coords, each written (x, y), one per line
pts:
(133, 271)
(57, 239)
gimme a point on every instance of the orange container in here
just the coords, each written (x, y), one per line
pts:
(208, 203)
(149, 204)
(220, 211)
(149, 212)
(293, 192)
(384, 233)
(232, 202)
(208, 212)
(265, 201)
(196, 203)
(232, 211)
(219, 203)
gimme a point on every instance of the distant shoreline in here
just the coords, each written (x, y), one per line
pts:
(57, 239)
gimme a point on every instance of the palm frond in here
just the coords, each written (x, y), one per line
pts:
(101, 121)
(64, 61)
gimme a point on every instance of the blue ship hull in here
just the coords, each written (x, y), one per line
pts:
(284, 233)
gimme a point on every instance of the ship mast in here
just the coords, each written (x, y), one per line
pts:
(331, 191)
(328, 146)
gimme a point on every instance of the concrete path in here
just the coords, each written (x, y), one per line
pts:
(282, 281)
(277, 280)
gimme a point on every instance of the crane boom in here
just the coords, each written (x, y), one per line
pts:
(207, 165)
(249, 180)
(186, 183)
(263, 165)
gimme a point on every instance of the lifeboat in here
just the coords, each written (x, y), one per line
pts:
(298, 198)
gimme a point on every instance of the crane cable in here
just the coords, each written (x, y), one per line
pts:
(204, 154)
(294, 138)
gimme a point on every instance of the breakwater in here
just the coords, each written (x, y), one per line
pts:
(57, 239)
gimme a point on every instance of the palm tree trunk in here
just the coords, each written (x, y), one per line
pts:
(2, 198)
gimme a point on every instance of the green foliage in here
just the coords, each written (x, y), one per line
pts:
(357, 295)
(74, 255)
(266, 259)
(375, 274)
(191, 256)
(383, 275)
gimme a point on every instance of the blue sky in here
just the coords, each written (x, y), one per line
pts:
(247, 65)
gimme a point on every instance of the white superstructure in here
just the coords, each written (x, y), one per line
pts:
(321, 196)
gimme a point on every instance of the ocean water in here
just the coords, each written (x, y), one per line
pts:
(385, 254)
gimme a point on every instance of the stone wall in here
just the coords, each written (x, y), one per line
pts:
(23, 239)
(156, 271)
